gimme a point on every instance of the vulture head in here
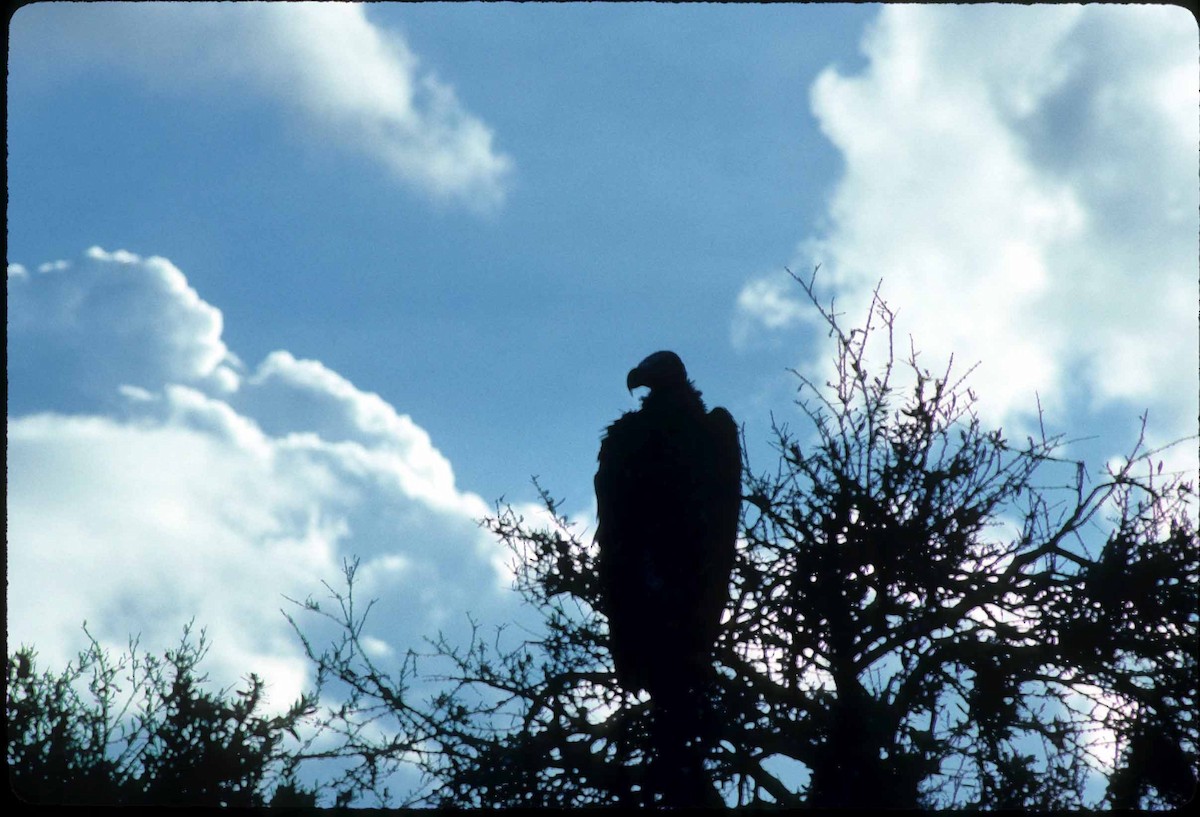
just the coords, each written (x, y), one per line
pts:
(659, 370)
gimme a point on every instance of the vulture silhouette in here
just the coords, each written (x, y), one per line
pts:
(668, 495)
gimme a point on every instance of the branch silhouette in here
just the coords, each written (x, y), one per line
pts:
(919, 613)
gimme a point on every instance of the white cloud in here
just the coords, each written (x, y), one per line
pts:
(139, 529)
(112, 319)
(358, 83)
(1023, 181)
(159, 496)
(766, 303)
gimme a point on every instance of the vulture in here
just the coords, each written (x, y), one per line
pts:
(668, 495)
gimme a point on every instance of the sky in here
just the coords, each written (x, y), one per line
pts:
(290, 284)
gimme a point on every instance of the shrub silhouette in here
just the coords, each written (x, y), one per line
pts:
(143, 730)
(923, 614)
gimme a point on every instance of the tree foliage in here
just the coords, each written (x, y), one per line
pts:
(924, 613)
(142, 730)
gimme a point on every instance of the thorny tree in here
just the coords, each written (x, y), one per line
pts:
(923, 613)
(145, 730)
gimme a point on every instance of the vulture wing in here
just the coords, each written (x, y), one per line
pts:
(668, 493)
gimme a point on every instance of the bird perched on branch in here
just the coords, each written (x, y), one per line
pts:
(668, 495)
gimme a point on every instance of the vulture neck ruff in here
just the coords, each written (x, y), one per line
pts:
(677, 397)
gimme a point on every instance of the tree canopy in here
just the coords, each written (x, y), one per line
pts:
(923, 613)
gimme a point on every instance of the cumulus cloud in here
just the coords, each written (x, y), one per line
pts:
(80, 329)
(359, 84)
(1022, 180)
(159, 495)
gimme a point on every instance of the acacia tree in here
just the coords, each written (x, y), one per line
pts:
(923, 614)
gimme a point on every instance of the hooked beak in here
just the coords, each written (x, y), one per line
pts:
(634, 379)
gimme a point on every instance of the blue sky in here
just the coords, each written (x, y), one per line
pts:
(289, 283)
